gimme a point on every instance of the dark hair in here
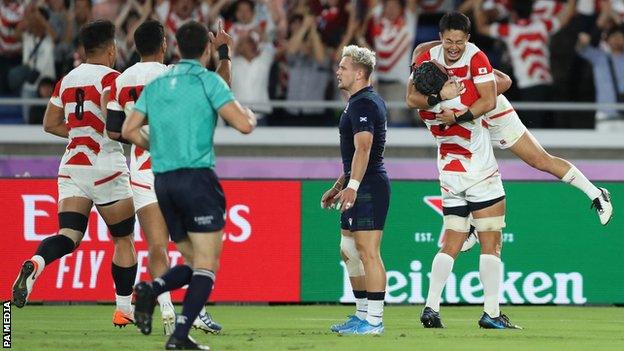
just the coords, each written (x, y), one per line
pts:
(613, 30)
(89, 2)
(192, 39)
(402, 3)
(97, 35)
(428, 78)
(149, 37)
(455, 21)
(248, 2)
(522, 9)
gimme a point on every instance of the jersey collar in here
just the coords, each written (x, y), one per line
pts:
(190, 61)
(361, 91)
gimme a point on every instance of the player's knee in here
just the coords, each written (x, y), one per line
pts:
(351, 256)
(123, 228)
(368, 254)
(158, 254)
(72, 220)
(457, 223)
(489, 224)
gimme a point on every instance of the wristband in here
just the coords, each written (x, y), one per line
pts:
(465, 117)
(224, 52)
(433, 100)
(353, 184)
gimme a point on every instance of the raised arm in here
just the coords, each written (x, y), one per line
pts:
(222, 44)
(481, 23)
(566, 15)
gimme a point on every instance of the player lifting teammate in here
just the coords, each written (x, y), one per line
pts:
(93, 170)
(469, 177)
(362, 193)
(151, 46)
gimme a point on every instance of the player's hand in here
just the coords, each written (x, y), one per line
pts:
(221, 38)
(451, 89)
(346, 199)
(447, 117)
(328, 198)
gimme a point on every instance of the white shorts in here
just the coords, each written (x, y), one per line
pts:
(101, 186)
(505, 130)
(462, 190)
(142, 188)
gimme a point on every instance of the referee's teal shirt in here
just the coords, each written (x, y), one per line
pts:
(181, 107)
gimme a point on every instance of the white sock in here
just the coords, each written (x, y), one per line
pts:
(577, 179)
(164, 299)
(40, 264)
(375, 312)
(203, 311)
(490, 268)
(124, 303)
(361, 308)
(440, 270)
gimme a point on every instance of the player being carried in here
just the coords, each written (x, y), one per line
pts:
(151, 45)
(508, 132)
(469, 177)
(93, 170)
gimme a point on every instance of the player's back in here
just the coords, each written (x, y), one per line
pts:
(79, 94)
(125, 92)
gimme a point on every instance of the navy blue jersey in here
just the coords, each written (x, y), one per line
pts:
(365, 112)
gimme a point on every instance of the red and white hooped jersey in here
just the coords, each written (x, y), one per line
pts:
(124, 92)
(393, 44)
(527, 41)
(79, 94)
(462, 147)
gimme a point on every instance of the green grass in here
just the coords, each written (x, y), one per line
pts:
(306, 328)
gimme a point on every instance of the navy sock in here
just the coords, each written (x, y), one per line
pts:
(175, 278)
(54, 247)
(196, 296)
(124, 278)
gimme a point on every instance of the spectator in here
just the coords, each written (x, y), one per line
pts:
(44, 91)
(308, 70)
(59, 21)
(37, 52)
(431, 11)
(251, 66)
(68, 49)
(175, 13)
(11, 14)
(527, 40)
(249, 17)
(130, 17)
(393, 30)
(608, 67)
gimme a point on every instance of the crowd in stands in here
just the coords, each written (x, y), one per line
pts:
(567, 50)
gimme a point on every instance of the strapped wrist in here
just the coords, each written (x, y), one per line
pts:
(224, 52)
(465, 117)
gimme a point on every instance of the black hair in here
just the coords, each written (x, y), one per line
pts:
(523, 9)
(248, 2)
(403, 3)
(613, 30)
(455, 21)
(149, 37)
(192, 40)
(97, 35)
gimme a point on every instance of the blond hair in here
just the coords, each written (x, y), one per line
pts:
(361, 56)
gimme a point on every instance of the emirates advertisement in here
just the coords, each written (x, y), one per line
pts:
(260, 260)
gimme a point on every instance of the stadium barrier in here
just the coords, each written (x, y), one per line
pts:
(279, 246)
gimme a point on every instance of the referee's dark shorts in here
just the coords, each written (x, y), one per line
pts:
(191, 200)
(371, 205)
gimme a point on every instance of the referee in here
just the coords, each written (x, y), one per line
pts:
(181, 108)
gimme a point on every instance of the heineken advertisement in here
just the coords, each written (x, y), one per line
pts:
(555, 251)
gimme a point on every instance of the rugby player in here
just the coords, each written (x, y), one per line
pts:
(179, 106)
(469, 177)
(93, 170)
(151, 46)
(508, 132)
(362, 193)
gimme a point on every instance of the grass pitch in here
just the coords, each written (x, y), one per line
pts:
(307, 328)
